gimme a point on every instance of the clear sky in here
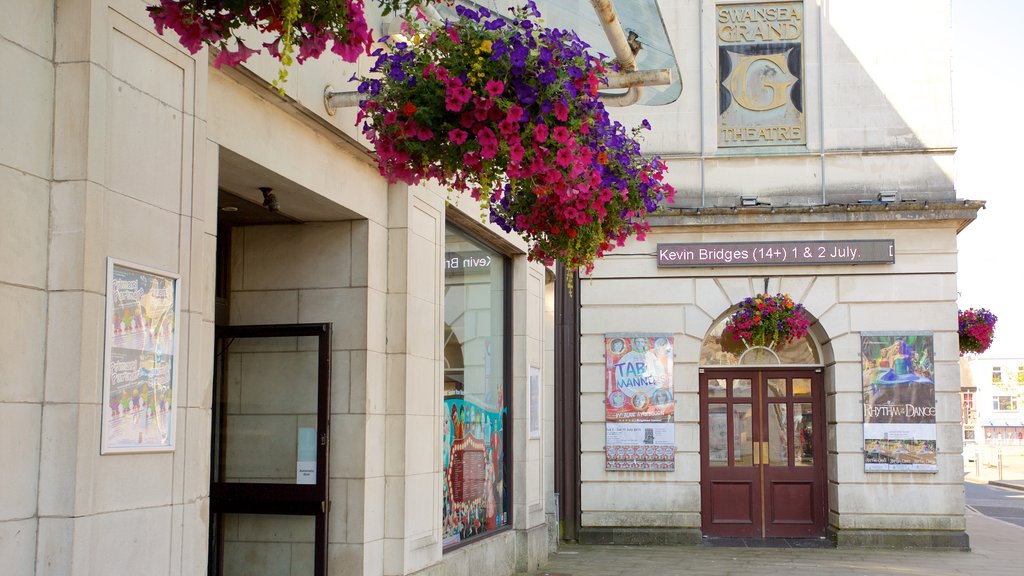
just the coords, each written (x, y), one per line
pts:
(988, 92)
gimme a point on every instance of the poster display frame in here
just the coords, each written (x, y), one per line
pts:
(898, 395)
(536, 392)
(639, 424)
(138, 324)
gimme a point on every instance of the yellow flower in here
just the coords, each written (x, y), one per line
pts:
(485, 46)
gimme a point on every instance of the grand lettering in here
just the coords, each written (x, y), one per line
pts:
(754, 76)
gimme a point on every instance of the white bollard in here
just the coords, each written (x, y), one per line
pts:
(999, 465)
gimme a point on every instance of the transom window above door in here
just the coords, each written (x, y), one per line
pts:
(720, 349)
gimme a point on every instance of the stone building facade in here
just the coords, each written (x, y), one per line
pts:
(860, 148)
(121, 149)
(118, 144)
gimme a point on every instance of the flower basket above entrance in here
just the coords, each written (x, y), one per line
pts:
(977, 329)
(306, 24)
(508, 111)
(768, 321)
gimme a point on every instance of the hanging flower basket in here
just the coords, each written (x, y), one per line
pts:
(508, 111)
(977, 330)
(768, 321)
(307, 24)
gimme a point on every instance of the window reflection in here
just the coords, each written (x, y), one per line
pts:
(803, 435)
(474, 486)
(778, 441)
(718, 435)
(743, 435)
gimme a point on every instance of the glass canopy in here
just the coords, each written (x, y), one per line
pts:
(639, 16)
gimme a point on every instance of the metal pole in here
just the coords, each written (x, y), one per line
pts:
(999, 464)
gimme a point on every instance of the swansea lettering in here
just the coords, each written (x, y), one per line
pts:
(760, 71)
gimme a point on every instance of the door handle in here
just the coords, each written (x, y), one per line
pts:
(761, 456)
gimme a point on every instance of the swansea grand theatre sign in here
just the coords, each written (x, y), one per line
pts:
(760, 73)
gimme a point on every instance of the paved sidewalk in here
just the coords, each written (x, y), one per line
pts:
(995, 551)
(997, 548)
(986, 469)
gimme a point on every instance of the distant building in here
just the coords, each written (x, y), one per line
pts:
(992, 400)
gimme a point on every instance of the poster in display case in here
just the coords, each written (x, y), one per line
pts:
(140, 366)
(899, 402)
(639, 402)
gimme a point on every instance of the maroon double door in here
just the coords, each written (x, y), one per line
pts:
(762, 453)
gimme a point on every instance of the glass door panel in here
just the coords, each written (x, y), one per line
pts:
(778, 445)
(718, 435)
(268, 489)
(776, 387)
(270, 421)
(268, 545)
(743, 435)
(803, 432)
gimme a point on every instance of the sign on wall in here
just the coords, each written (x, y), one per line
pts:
(535, 393)
(899, 402)
(760, 72)
(639, 403)
(785, 253)
(140, 359)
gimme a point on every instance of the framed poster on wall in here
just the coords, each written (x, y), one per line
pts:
(899, 401)
(140, 367)
(639, 402)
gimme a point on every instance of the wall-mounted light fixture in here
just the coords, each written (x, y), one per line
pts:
(269, 200)
(748, 200)
(888, 196)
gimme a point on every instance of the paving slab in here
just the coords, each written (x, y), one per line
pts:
(995, 551)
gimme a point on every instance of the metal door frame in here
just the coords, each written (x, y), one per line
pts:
(280, 499)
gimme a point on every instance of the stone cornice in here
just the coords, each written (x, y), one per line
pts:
(961, 211)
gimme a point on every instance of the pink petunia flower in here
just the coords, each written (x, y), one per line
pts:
(516, 152)
(540, 133)
(561, 112)
(494, 88)
(233, 58)
(564, 157)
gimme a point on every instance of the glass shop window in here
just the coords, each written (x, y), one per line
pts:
(477, 428)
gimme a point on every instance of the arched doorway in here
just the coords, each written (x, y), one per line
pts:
(763, 457)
